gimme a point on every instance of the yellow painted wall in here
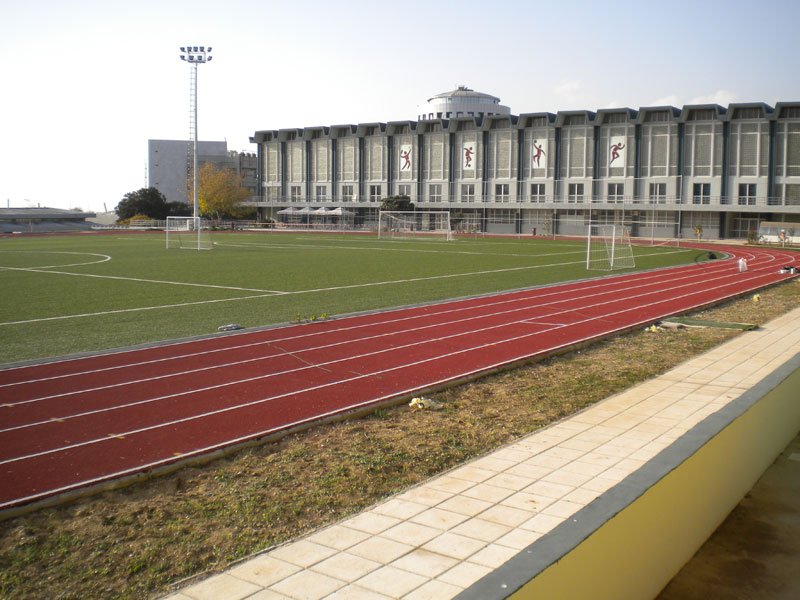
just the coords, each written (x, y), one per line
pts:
(637, 552)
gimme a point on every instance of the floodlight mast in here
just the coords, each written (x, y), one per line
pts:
(195, 55)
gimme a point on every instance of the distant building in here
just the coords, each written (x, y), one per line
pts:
(43, 220)
(246, 165)
(461, 102)
(170, 165)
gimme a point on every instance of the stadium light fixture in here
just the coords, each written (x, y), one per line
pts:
(195, 55)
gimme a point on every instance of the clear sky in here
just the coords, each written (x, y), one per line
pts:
(84, 84)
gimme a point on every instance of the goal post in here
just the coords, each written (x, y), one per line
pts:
(188, 233)
(608, 247)
(433, 225)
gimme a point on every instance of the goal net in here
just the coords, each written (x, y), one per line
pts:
(188, 233)
(608, 247)
(433, 225)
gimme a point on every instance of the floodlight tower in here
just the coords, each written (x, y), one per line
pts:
(195, 55)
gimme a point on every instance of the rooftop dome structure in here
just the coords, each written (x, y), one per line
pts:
(461, 102)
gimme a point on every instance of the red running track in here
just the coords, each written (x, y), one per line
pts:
(75, 422)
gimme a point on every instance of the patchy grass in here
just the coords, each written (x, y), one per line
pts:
(136, 542)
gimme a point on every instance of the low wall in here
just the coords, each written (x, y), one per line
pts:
(631, 541)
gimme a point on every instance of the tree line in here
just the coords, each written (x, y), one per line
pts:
(220, 194)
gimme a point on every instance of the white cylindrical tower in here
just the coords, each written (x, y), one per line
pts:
(461, 102)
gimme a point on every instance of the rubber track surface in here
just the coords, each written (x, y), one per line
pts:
(75, 422)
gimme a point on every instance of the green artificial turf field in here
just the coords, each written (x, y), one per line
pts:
(78, 293)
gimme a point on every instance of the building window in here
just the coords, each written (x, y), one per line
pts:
(616, 192)
(658, 115)
(404, 190)
(435, 192)
(537, 192)
(615, 118)
(467, 192)
(658, 193)
(347, 193)
(501, 192)
(701, 193)
(575, 192)
(295, 193)
(792, 191)
(322, 192)
(747, 194)
(374, 193)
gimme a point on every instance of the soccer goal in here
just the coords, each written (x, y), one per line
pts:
(608, 247)
(190, 233)
(434, 225)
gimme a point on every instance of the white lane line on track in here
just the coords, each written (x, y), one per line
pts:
(295, 354)
(386, 350)
(364, 375)
(539, 294)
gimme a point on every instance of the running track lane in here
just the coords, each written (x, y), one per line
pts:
(75, 422)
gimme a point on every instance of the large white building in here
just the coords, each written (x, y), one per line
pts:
(723, 170)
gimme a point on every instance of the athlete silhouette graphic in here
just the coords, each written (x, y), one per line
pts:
(615, 151)
(406, 158)
(468, 152)
(539, 152)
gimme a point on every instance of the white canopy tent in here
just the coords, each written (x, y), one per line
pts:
(289, 215)
(322, 217)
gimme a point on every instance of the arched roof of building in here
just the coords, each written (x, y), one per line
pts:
(463, 91)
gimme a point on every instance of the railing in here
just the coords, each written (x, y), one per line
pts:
(481, 198)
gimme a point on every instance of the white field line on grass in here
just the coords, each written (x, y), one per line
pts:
(129, 310)
(360, 376)
(268, 293)
(534, 321)
(397, 248)
(141, 280)
(103, 258)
